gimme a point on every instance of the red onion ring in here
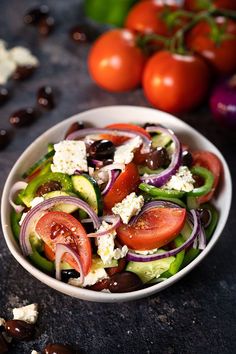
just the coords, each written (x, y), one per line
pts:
(112, 177)
(114, 219)
(78, 134)
(61, 249)
(131, 256)
(36, 212)
(18, 186)
(160, 179)
(113, 166)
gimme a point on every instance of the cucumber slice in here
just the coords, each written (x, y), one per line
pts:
(88, 190)
(150, 270)
(39, 164)
(66, 208)
(160, 140)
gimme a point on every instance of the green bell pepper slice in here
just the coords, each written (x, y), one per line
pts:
(159, 192)
(208, 181)
(111, 12)
(37, 259)
(175, 266)
(171, 200)
(15, 218)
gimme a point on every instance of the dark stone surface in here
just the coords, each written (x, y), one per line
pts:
(197, 315)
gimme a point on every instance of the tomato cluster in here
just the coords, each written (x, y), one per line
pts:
(172, 52)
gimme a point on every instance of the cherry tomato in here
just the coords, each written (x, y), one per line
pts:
(115, 62)
(198, 5)
(211, 162)
(148, 17)
(154, 229)
(126, 183)
(175, 83)
(59, 227)
(220, 54)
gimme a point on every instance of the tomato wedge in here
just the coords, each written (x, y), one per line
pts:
(211, 162)
(126, 126)
(59, 227)
(154, 229)
(125, 183)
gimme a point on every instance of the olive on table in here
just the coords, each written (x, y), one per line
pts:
(83, 33)
(34, 16)
(23, 117)
(157, 158)
(57, 348)
(45, 97)
(4, 95)
(46, 25)
(5, 138)
(101, 149)
(124, 282)
(19, 329)
(22, 72)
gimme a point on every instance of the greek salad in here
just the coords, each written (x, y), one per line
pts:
(116, 209)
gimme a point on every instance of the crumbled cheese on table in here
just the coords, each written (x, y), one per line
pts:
(181, 181)
(128, 207)
(27, 313)
(125, 153)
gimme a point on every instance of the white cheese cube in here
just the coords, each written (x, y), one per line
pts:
(128, 207)
(125, 153)
(27, 313)
(181, 181)
(69, 156)
(105, 244)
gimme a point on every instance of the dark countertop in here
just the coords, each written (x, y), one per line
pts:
(196, 315)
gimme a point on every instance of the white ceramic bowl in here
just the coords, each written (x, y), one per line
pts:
(101, 117)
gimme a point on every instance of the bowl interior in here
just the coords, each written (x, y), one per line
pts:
(100, 117)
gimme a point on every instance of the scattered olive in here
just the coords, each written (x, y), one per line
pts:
(23, 72)
(124, 282)
(74, 126)
(66, 274)
(101, 149)
(205, 216)
(157, 158)
(19, 330)
(187, 158)
(3, 345)
(83, 33)
(23, 117)
(58, 348)
(34, 15)
(48, 187)
(4, 95)
(46, 25)
(5, 138)
(121, 266)
(45, 97)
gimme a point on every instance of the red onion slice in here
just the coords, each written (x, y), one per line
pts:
(36, 212)
(16, 188)
(132, 256)
(79, 134)
(113, 166)
(114, 219)
(112, 177)
(160, 179)
(61, 249)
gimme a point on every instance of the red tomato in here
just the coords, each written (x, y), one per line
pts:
(147, 17)
(125, 184)
(59, 227)
(175, 83)
(48, 252)
(211, 162)
(198, 5)
(221, 55)
(115, 62)
(127, 126)
(154, 229)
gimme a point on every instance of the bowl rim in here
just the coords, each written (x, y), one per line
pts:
(87, 294)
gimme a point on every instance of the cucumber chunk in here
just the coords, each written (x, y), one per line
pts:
(162, 140)
(39, 164)
(66, 208)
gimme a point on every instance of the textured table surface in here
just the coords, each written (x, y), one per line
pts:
(198, 314)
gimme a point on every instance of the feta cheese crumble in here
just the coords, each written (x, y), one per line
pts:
(33, 203)
(106, 246)
(125, 153)
(181, 181)
(69, 156)
(22, 57)
(27, 313)
(2, 322)
(91, 278)
(147, 252)
(128, 207)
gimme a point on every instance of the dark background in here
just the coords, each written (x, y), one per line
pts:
(197, 315)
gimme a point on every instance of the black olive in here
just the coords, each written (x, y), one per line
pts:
(57, 348)
(124, 282)
(5, 138)
(4, 95)
(74, 126)
(3, 345)
(187, 159)
(46, 25)
(19, 330)
(34, 15)
(23, 117)
(66, 274)
(102, 150)
(83, 33)
(23, 72)
(45, 97)
(205, 216)
(157, 158)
